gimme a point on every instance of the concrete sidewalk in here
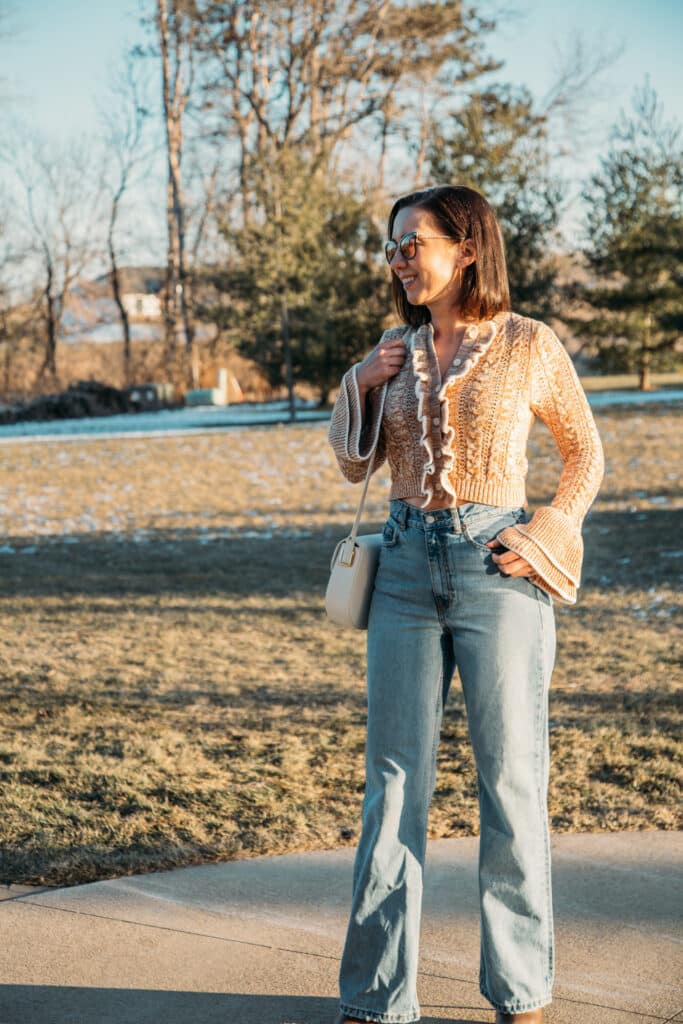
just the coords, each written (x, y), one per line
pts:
(259, 941)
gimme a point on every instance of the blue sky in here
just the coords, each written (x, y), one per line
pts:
(56, 64)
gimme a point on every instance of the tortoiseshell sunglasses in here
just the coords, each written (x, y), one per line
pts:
(407, 245)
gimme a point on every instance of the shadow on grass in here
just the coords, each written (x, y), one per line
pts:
(622, 549)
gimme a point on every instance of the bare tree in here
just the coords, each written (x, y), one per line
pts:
(176, 36)
(304, 74)
(201, 211)
(324, 78)
(334, 82)
(124, 122)
(7, 258)
(59, 223)
(570, 98)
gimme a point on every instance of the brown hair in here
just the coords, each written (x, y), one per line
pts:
(461, 213)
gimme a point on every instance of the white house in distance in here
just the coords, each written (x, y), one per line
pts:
(139, 305)
(93, 316)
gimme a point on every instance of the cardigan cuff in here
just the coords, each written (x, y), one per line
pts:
(552, 545)
(362, 431)
(354, 430)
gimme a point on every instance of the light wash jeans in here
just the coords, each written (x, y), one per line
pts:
(440, 602)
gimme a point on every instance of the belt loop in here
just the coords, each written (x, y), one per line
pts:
(403, 515)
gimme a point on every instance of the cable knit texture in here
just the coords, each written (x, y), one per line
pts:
(465, 436)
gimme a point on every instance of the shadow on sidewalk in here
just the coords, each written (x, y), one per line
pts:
(55, 1004)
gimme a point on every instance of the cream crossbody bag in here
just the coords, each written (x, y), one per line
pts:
(354, 562)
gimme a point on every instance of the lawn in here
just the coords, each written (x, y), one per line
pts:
(173, 692)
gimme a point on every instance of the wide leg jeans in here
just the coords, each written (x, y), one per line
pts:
(439, 602)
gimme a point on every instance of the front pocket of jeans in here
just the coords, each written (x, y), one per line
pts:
(479, 534)
(390, 534)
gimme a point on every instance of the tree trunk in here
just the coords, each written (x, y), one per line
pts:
(177, 279)
(125, 322)
(284, 326)
(644, 379)
(5, 346)
(178, 214)
(118, 299)
(49, 364)
(170, 290)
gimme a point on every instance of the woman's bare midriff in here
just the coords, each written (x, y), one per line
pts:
(416, 500)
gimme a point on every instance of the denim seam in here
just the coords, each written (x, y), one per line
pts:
(541, 720)
(380, 1018)
(435, 741)
(438, 600)
(390, 542)
(515, 1006)
(472, 541)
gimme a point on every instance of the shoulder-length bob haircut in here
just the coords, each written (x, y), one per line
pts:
(461, 213)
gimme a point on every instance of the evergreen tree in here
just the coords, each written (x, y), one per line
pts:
(367, 86)
(294, 85)
(306, 279)
(497, 144)
(634, 228)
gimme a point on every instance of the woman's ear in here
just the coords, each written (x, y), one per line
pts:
(469, 254)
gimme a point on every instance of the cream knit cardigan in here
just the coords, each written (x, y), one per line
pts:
(466, 436)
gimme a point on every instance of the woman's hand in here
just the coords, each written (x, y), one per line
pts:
(385, 360)
(508, 561)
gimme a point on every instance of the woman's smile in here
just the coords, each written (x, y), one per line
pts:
(408, 280)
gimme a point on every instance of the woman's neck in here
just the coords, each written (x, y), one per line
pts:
(448, 325)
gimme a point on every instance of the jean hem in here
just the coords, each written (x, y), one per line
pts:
(379, 1018)
(515, 1006)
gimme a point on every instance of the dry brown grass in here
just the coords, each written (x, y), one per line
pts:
(103, 361)
(173, 692)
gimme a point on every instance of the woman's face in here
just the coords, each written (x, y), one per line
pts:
(431, 277)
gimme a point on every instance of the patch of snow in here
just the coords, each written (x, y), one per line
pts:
(220, 419)
(165, 421)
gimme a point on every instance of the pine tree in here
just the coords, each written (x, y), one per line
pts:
(496, 144)
(306, 275)
(635, 230)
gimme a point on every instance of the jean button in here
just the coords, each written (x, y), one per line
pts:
(429, 519)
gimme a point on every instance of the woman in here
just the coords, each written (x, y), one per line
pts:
(466, 578)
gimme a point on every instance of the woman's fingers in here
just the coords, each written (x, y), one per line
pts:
(512, 564)
(508, 561)
(383, 363)
(392, 350)
(391, 358)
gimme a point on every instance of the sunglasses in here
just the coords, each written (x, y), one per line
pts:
(407, 245)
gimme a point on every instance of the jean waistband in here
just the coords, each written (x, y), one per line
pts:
(406, 514)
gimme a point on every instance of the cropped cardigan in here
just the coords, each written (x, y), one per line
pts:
(466, 436)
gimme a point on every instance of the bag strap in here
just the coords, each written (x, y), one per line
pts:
(356, 522)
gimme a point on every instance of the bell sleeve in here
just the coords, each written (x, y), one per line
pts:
(551, 541)
(353, 430)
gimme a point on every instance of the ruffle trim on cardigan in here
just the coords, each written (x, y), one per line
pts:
(552, 545)
(476, 341)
